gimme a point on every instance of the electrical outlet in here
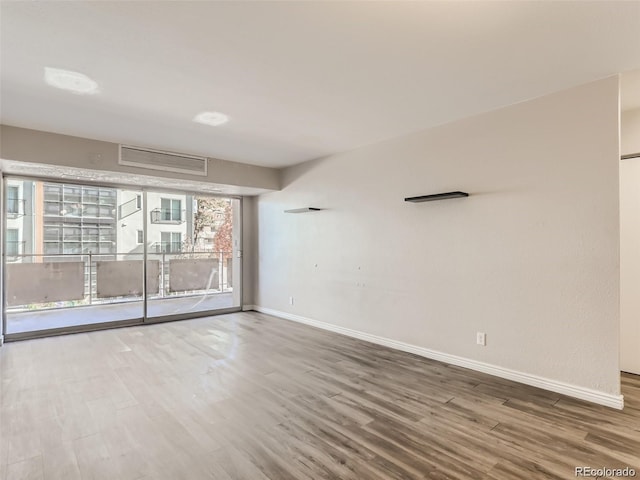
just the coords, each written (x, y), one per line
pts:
(481, 338)
(290, 300)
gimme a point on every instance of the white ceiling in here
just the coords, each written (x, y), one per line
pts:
(299, 79)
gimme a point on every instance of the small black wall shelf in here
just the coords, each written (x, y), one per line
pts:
(303, 210)
(436, 196)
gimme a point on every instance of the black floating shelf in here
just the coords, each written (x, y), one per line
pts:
(303, 210)
(436, 196)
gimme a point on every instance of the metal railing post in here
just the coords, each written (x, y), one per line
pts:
(163, 275)
(90, 279)
(221, 285)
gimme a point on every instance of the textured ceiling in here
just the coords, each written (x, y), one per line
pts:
(299, 80)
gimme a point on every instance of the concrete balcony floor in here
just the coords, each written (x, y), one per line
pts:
(34, 320)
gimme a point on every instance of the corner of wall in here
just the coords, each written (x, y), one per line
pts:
(630, 132)
(2, 312)
(249, 248)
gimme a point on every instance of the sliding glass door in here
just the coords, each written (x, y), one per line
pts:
(63, 266)
(78, 257)
(193, 244)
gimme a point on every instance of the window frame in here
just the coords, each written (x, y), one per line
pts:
(13, 201)
(171, 245)
(14, 251)
(168, 210)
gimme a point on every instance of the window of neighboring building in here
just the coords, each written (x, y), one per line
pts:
(139, 202)
(171, 209)
(13, 201)
(140, 237)
(13, 245)
(171, 242)
(79, 219)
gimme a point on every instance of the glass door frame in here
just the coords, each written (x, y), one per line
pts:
(240, 257)
(145, 319)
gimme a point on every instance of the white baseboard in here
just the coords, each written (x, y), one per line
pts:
(601, 398)
(246, 308)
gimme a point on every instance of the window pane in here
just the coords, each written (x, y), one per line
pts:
(104, 248)
(104, 211)
(12, 199)
(71, 247)
(71, 233)
(51, 208)
(176, 242)
(72, 193)
(12, 242)
(106, 234)
(89, 247)
(176, 210)
(51, 248)
(72, 209)
(52, 233)
(91, 211)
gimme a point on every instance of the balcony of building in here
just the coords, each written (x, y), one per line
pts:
(66, 290)
(130, 207)
(167, 216)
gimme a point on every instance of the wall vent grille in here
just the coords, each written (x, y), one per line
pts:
(163, 161)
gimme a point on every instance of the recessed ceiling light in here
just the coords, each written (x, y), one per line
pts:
(74, 82)
(211, 118)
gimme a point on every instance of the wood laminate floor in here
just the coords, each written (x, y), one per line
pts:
(248, 396)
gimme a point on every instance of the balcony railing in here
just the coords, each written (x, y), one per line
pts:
(214, 277)
(167, 215)
(129, 208)
(166, 247)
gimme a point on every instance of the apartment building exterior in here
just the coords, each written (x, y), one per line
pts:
(50, 221)
(169, 222)
(20, 230)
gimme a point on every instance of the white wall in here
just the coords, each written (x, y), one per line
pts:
(630, 132)
(127, 228)
(630, 244)
(530, 258)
